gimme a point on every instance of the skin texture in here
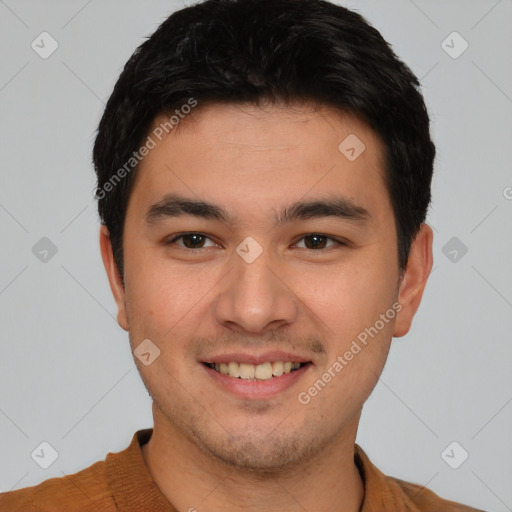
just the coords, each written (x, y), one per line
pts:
(210, 449)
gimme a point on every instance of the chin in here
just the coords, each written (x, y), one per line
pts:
(262, 452)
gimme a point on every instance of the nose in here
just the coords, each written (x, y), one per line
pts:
(255, 297)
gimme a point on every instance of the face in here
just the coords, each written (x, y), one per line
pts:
(290, 258)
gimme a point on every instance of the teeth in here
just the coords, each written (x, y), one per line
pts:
(234, 369)
(262, 371)
(247, 371)
(277, 368)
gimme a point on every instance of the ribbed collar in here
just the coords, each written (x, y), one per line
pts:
(132, 485)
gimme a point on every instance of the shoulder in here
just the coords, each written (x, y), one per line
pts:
(387, 493)
(425, 500)
(93, 489)
(86, 490)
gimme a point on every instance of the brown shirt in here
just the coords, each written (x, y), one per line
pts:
(123, 483)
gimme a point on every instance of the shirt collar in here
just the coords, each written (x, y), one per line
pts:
(133, 487)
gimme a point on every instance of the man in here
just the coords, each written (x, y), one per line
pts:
(264, 171)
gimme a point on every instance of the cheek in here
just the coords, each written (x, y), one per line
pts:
(351, 296)
(163, 299)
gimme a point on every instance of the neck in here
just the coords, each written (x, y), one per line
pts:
(192, 479)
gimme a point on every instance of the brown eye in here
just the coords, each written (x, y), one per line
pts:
(317, 241)
(190, 240)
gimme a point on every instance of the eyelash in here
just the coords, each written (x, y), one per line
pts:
(339, 243)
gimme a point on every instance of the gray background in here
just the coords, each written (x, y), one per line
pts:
(67, 375)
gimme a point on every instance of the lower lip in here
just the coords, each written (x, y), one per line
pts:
(257, 389)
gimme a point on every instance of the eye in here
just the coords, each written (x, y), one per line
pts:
(313, 241)
(318, 241)
(191, 241)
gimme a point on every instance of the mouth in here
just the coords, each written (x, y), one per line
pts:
(269, 370)
(256, 376)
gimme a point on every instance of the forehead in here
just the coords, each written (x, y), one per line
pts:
(239, 154)
(265, 126)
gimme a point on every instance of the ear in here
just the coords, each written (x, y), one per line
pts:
(114, 278)
(414, 279)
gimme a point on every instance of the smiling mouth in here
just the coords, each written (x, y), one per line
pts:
(261, 372)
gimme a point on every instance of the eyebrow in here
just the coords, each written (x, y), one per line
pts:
(173, 205)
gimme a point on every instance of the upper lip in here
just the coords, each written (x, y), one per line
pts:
(269, 356)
